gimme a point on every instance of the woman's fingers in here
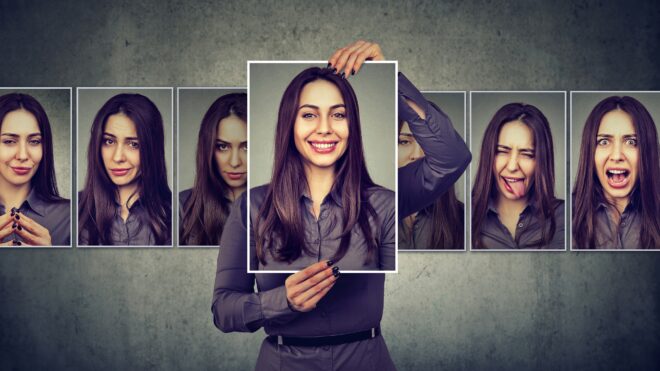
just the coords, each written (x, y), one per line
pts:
(31, 225)
(308, 299)
(349, 59)
(310, 271)
(304, 287)
(6, 230)
(6, 219)
(31, 231)
(300, 292)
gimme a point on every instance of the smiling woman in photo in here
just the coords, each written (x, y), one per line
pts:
(126, 200)
(221, 171)
(617, 192)
(33, 213)
(513, 198)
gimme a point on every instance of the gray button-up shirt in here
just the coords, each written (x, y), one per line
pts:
(323, 236)
(355, 303)
(528, 230)
(419, 238)
(54, 216)
(625, 235)
(132, 232)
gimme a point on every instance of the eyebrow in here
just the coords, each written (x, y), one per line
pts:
(224, 141)
(626, 136)
(406, 135)
(18, 136)
(521, 149)
(317, 107)
(113, 136)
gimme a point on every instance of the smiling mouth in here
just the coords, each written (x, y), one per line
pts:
(514, 185)
(323, 147)
(617, 178)
(21, 170)
(119, 172)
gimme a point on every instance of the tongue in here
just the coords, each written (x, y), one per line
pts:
(518, 188)
(618, 178)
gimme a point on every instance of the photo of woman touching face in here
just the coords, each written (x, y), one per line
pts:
(617, 192)
(221, 171)
(33, 212)
(126, 199)
(513, 197)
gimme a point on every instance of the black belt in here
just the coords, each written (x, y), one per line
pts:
(319, 341)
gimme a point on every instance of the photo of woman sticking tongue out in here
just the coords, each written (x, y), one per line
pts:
(513, 199)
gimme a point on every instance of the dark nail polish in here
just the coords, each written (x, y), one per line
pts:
(20, 228)
(335, 269)
(343, 75)
(18, 217)
(13, 210)
(328, 66)
(14, 242)
(330, 263)
(352, 72)
(13, 213)
(13, 225)
(335, 273)
(334, 70)
(18, 243)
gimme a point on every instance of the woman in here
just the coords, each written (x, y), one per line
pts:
(33, 213)
(439, 225)
(221, 174)
(126, 200)
(514, 204)
(314, 320)
(616, 195)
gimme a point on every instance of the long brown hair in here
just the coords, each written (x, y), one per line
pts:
(206, 211)
(446, 213)
(542, 190)
(279, 216)
(589, 192)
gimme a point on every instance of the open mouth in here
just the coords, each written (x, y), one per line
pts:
(514, 185)
(21, 170)
(323, 147)
(617, 178)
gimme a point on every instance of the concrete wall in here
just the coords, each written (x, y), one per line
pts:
(149, 309)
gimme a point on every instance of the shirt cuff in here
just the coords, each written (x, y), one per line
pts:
(275, 306)
(408, 91)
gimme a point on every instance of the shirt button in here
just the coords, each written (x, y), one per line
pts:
(520, 225)
(623, 224)
(316, 240)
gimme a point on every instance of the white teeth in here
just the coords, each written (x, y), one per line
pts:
(323, 145)
(616, 171)
(513, 180)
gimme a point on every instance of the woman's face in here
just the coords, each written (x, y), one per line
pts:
(321, 127)
(20, 147)
(231, 151)
(409, 150)
(617, 155)
(514, 160)
(120, 150)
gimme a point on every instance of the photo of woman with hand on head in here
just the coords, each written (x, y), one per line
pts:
(315, 319)
(221, 174)
(439, 225)
(513, 198)
(33, 213)
(126, 200)
(617, 193)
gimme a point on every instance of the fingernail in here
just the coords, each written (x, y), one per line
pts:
(335, 269)
(13, 213)
(18, 217)
(352, 72)
(13, 209)
(334, 70)
(13, 225)
(14, 242)
(18, 243)
(329, 64)
(343, 75)
(20, 228)
(335, 272)
(330, 263)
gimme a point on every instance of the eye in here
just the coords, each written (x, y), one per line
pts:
(244, 147)
(134, 144)
(222, 147)
(108, 141)
(603, 142)
(339, 115)
(527, 154)
(307, 115)
(8, 142)
(631, 142)
(404, 142)
(35, 142)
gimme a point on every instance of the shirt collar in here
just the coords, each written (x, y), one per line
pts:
(35, 203)
(492, 207)
(334, 196)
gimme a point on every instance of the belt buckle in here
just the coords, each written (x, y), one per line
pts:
(373, 332)
(280, 340)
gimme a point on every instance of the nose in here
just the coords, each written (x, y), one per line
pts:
(512, 164)
(324, 126)
(617, 154)
(22, 154)
(119, 156)
(235, 158)
(416, 153)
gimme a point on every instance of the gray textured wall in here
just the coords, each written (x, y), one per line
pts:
(149, 309)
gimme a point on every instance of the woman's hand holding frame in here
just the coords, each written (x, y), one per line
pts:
(305, 288)
(350, 58)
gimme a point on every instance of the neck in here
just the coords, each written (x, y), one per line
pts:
(510, 207)
(320, 181)
(620, 203)
(125, 193)
(12, 195)
(235, 192)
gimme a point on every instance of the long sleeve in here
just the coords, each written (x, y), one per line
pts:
(387, 250)
(446, 154)
(236, 306)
